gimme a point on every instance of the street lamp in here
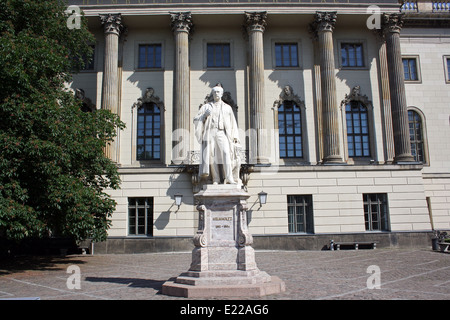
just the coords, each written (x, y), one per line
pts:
(178, 198)
(262, 198)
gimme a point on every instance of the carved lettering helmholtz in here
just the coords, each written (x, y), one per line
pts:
(222, 226)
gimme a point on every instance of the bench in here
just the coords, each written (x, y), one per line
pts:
(444, 246)
(355, 245)
(85, 246)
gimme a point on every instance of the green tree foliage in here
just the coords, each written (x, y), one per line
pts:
(53, 171)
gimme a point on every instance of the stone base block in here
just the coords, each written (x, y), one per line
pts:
(274, 285)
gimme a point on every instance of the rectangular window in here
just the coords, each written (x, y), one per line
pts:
(149, 132)
(290, 130)
(376, 214)
(416, 136)
(140, 216)
(447, 69)
(300, 214)
(352, 55)
(218, 55)
(150, 56)
(286, 55)
(358, 141)
(410, 69)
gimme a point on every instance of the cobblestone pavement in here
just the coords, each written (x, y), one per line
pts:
(318, 275)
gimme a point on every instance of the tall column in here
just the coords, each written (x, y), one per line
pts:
(323, 26)
(392, 25)
(181, 23)
(112, 24)
(255, 23)
(383, 78)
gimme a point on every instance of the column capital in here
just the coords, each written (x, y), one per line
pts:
(392, 23)
(255, 21)
(323, 21)
(181, 21)
(112, 23)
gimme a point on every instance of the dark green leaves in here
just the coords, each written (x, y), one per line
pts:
(53, 171)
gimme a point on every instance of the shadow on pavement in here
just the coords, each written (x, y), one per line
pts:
(131, 282)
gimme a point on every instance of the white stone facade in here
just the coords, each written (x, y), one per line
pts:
(337, 190)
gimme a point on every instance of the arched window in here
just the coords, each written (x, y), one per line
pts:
(290, 130)
(358, 138)
(416, 135)
(148, 132)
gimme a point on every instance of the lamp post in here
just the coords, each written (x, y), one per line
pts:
(178, 198)
(262, 198)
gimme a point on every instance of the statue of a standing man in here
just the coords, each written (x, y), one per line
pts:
(217, 132)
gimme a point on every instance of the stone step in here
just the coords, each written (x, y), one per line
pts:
(223, 281)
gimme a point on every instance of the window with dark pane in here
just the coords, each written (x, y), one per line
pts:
(218, 55)
(286, 55)
(148, 132)
(300, 214)
(410, 69)
(140, 216)
(448, 68)
(290, 130)
(357, 129)
(376, 214)
(149, 56)
(416, 135)
(352, 55)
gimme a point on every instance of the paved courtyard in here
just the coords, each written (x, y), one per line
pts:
(309, 275)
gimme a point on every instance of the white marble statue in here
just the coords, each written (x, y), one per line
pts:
(217, 132)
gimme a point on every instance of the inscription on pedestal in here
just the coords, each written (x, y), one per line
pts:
(222, 227)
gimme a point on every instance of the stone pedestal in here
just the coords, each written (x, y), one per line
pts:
(223, 261)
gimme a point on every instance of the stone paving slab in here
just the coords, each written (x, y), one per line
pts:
(417, 274)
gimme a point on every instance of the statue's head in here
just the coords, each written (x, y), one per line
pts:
(217, 93)
(148, 93)
(287, 91)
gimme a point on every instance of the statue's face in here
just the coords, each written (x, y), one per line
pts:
(287, 90)
(148, 93)
(217, 93)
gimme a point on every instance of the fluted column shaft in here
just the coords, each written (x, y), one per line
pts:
(323, 26)
(112, 24)
(388, 136)
(392, 25)
(255, 23)
(181, 26)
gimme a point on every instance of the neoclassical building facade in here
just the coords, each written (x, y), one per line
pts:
(342, 106)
